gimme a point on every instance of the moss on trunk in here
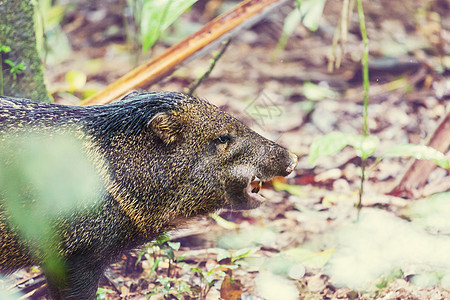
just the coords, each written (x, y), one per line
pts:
(17, 31)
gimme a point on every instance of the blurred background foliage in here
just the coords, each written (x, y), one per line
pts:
(43, 177)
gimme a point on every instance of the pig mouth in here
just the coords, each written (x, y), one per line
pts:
(246, 197)
(252, 190)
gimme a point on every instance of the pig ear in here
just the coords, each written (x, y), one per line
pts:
(166, 127)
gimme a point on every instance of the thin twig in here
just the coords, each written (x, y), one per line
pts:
(334, 61)
(195, 85)
(365, 67)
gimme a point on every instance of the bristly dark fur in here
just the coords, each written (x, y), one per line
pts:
(128, 116)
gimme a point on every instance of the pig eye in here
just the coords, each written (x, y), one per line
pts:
(223, 139)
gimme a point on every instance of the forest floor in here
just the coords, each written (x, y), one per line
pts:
(308, 239)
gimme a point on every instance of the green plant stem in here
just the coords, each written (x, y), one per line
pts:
(365, 64)
(1, 74)
(196, 84)
(365, 67)
(361, 187)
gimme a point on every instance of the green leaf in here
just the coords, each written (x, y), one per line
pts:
(309, 258)
(17, 69)
(224, 223)
(418, 152)
(311, 11)
(9, 63)
(4, 49)
(169, 253)
(157, 16)
(161, 239)
(291, 189)
(38, 163)
(222, 254)
(155, 265)
(290, 23)
(384, 281)
(21, 66)
(366, 146)
(315, 92)
(242, 253)
(101, 293)
(330, 144)
(278, 264)
(174, 245)
(76, 80)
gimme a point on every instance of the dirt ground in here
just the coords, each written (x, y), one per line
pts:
(409, 94)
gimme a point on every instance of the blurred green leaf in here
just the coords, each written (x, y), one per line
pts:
(311, 11)
(157, 16)
(290, 23)
(86, 93)
(222, 254)
(169, 253)
(41, 177)
(425, 280)
(174, 245)
(9, 62)
(327, 145)
(4, 48)
(15, 68)
(278, 264)
(315, 92)
(418, 152)
(431, 212)
(224, 223)
(330, 144)
(101, 293)
(366, 146)
(51, 41)
(51, 15)
(291, 189)
(389, 278)
(54, 169)
(75, 80)
(309, 258)
(242, 253)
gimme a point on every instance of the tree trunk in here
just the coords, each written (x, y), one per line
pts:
(17, 32)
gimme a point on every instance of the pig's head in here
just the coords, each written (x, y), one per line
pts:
(226, 162)
(191, 158)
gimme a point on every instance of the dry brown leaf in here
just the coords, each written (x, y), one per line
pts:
(231, 289)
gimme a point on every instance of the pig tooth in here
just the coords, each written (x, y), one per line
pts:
(256, 189)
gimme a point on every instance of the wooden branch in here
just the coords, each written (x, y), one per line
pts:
(417, 174)
(199, 80)
(221, 27)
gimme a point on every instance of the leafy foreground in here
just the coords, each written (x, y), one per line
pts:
(380, 256)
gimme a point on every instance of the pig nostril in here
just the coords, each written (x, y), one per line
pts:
(292, 164)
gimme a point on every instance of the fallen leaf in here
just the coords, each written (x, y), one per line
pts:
(231, 289)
